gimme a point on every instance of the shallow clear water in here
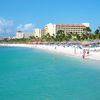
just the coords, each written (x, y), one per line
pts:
(32, 74)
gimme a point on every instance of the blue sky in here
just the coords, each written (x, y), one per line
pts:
(36, 13)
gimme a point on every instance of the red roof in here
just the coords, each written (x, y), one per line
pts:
(71, 25)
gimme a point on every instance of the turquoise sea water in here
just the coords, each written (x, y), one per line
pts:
(32, 74)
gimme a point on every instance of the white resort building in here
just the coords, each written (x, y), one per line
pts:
(20, 34)
(39, 32)
(66, 28)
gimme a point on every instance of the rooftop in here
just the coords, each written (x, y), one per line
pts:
(70, 25)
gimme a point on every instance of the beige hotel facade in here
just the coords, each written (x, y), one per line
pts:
(66, 28)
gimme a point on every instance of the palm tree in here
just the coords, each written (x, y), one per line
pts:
(97, 31)
(60, 36)
(69, 36)
(46, 37)
(84, 37)
(87, 30)
(97, 36)
(99, 28)
(78, 37)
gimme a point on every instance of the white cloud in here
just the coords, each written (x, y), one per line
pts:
(6, 26)
(27, 27)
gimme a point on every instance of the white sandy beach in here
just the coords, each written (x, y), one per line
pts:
(73, 51)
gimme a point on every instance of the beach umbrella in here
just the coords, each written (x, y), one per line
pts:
(85, 43)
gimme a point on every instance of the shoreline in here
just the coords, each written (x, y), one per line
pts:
(17, 45)
(70, 51)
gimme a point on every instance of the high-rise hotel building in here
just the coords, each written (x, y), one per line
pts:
(66, 28)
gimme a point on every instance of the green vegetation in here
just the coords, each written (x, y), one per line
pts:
(23, 40)
(87, 30)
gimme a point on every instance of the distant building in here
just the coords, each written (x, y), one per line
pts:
(20, 34)
(27, 35)
(39, 32)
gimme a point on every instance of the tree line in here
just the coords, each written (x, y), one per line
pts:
(60, 36)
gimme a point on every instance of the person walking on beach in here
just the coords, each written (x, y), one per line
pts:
(83, 56)
(74, 49)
